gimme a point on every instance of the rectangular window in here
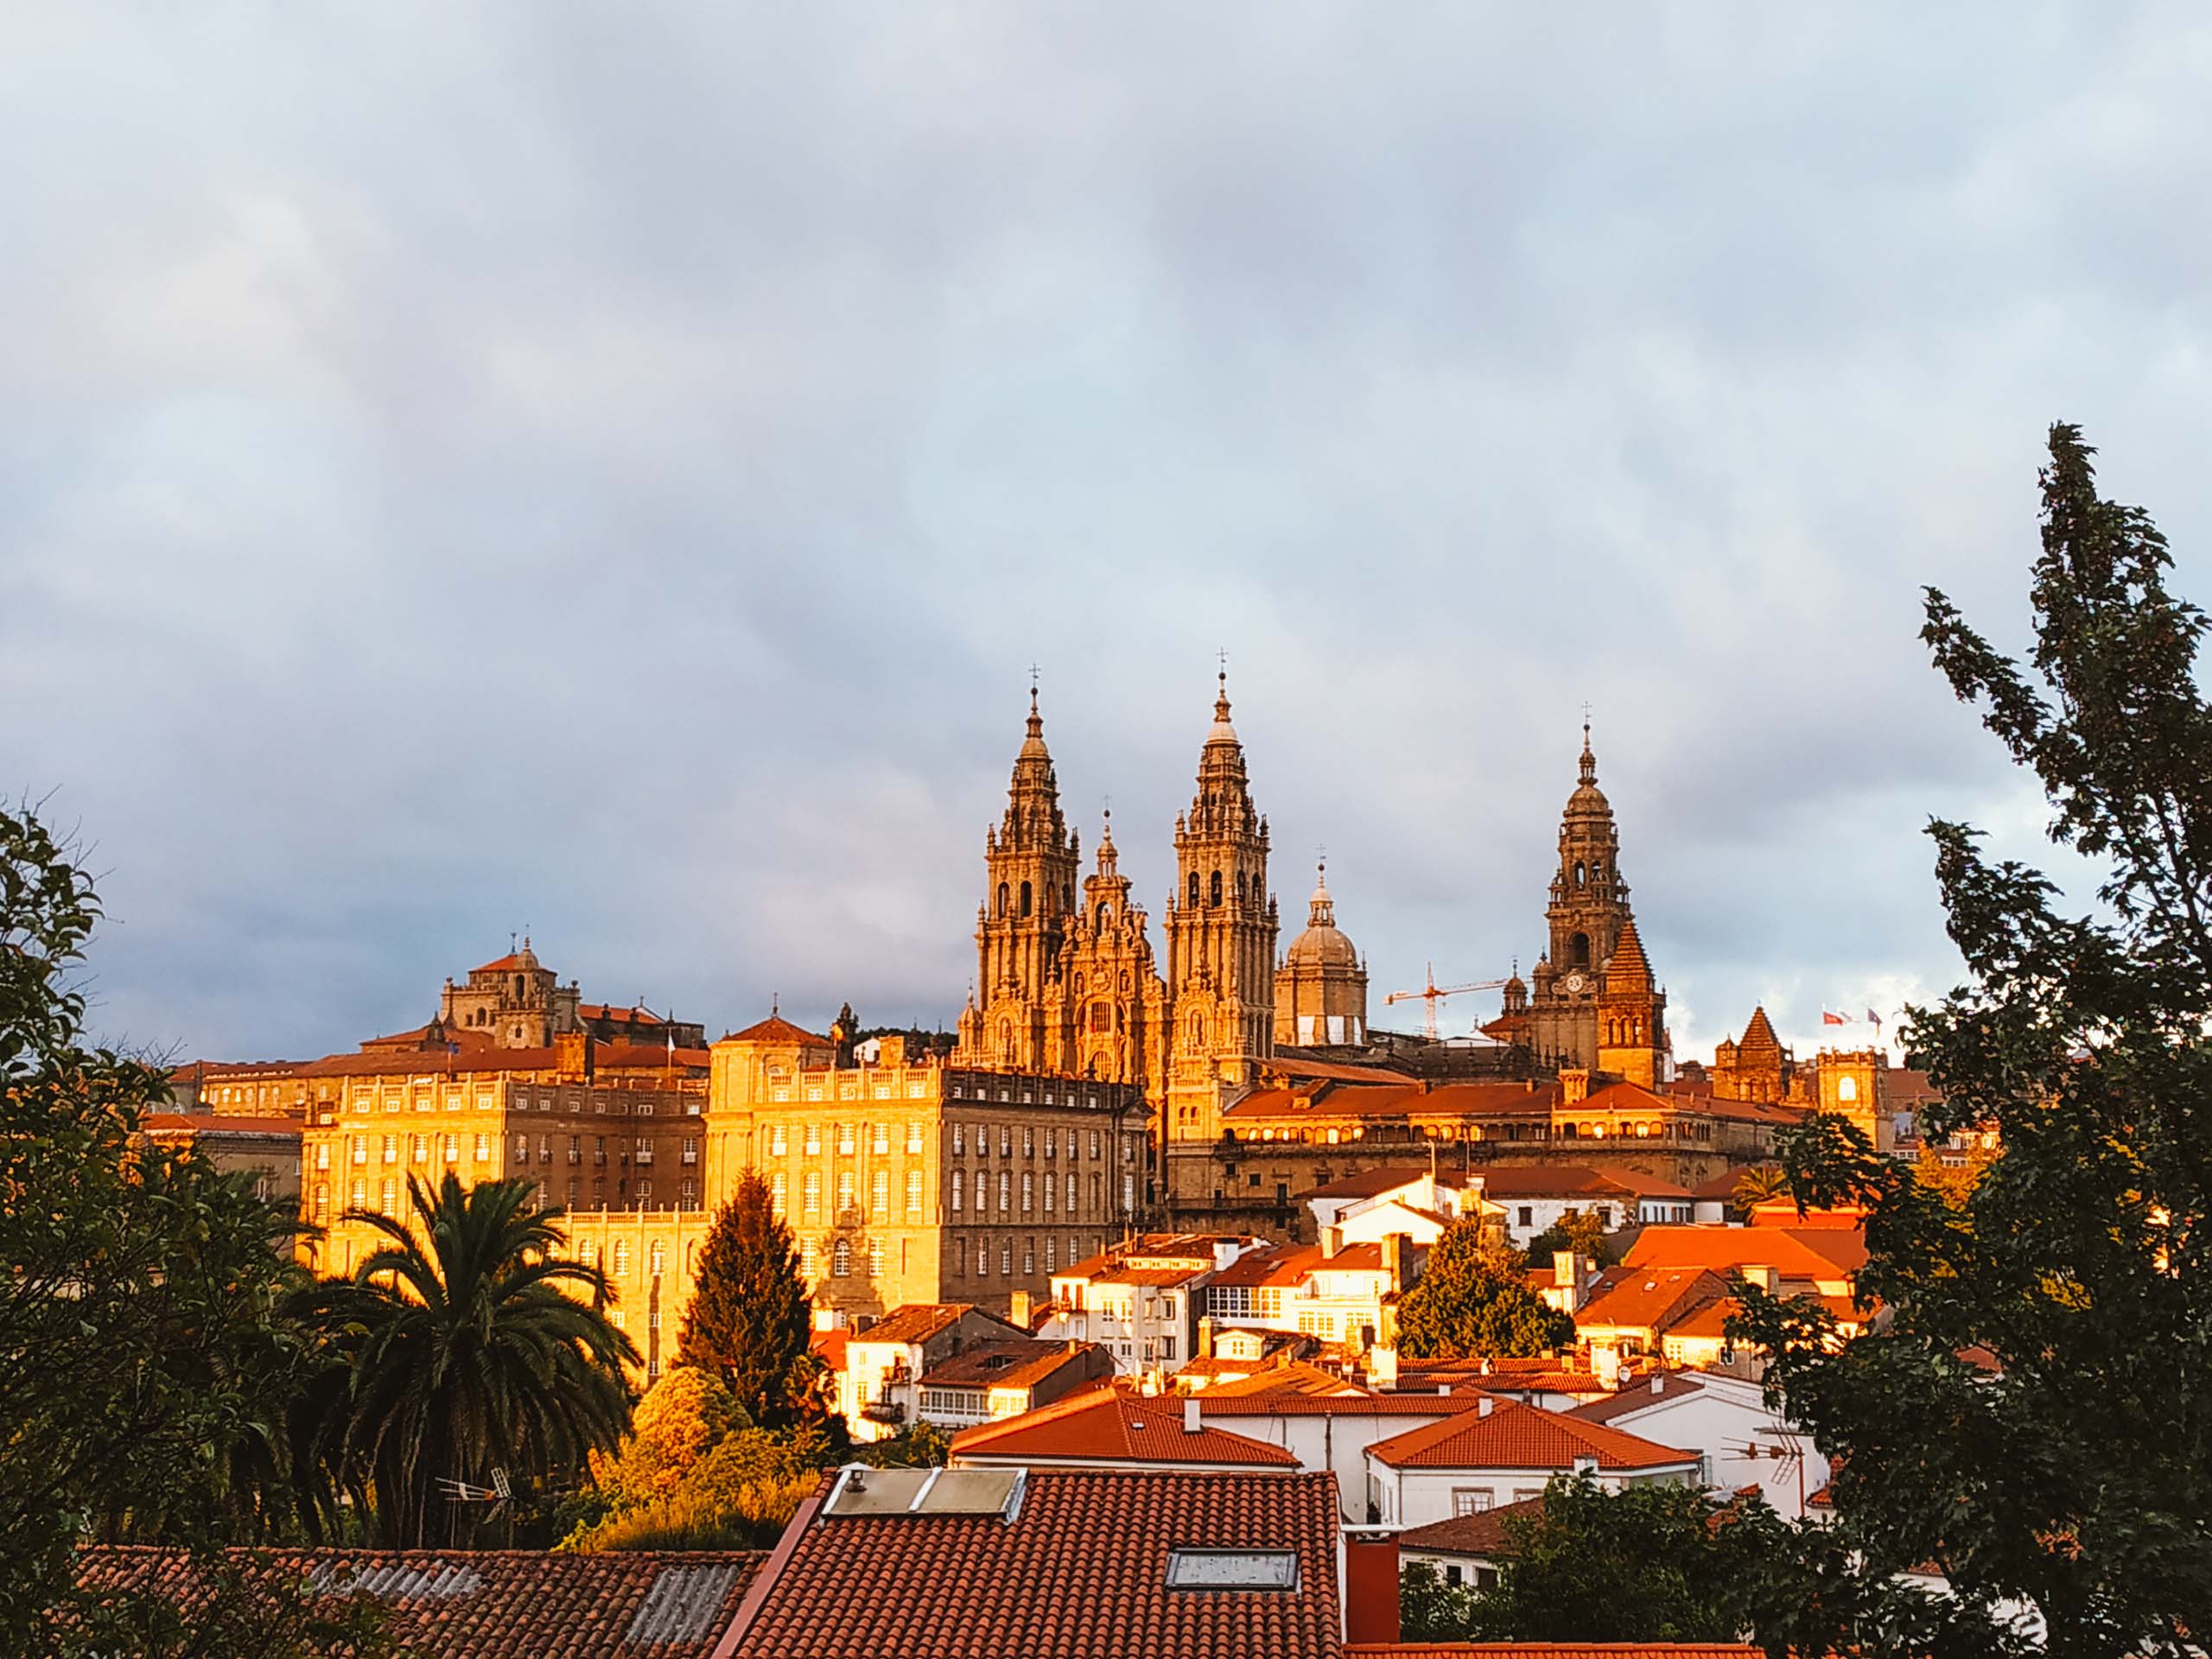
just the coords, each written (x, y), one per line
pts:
(360, 1145)
(1006, 1139)
(322, 1155)
(1052, 1254)
(813, 1190)
(359, 1197)
(779, 1142)
(915, 1136)
(388, 1196)
(690, 1148)
(813, 1139)
(959, 1140)
(956, 1194)
(913, 1192)
(1006, 1257)
(1029, 1191)
(522, 1149)
(1471, 1500)
(844, 1137)
(1050, 1185)
(1049, 1142)
(391, 1148)
(1070, 1191)
(1028, 1141)
(575, 1148)
(453, 1149)
(1094, 1144)
(879, 1141)
(1028, 1256)
(844, 1190)
(1006, 1191)
(780, 1190)
(1129, 1194)
(880, 1192)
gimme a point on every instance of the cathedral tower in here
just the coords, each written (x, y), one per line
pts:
(1587, 916)
(1631, 1014)
(1113, 1027)
(1030, 863)
(1221, 937)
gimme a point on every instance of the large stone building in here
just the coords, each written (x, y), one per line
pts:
(1321, 986)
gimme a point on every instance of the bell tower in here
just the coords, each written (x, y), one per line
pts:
(1221, 929)
(1030, 862)
(1587, 919)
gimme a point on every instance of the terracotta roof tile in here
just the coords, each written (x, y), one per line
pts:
(1454, 1100)
(1015, 1362)
(605, 1056)
(1650, 1298)
(449, 1603)
(1368, 1184)
(1080, 1573)
(1213, 1403)
(1514, 1436)
(1480, 1534)
(1794, 1252)
(1112, 1425)
(1639, 1395)
(776, 1029)
(1554, 1650)
(919, 1321)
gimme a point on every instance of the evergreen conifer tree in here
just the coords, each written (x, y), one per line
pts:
(747, 1321)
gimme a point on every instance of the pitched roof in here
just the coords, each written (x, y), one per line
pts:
(1112, 1425)
(1016, 1362)
(1480, 1534)
(776, 1029)
(1635, 1097)
(1299, 1376)
(919, 1321)
(1079, 1572)
(1649, 1299)
(1641, 1395)
(1367, 1184)
(1794, 1252)
(462, 1603)
(1453, 1100)
(1628, 963)
(1214, 1403)
(1554, 1650)
(1291, 1264)
(1514, 1436)
(1760, 1033)
(605, 1056)
(1565, 1180)
(200, 1123)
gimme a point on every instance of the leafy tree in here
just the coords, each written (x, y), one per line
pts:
(2075, 1478)
(747, 1321)
(144, 1364)
(1430, 1609)
(1579, 1230)
(461, 1350)
(1472, 1301)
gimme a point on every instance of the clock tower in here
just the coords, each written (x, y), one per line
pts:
(1589, 922)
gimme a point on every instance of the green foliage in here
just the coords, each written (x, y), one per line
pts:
(1760, 1184)
(920, 1446)
(695, 1473)
(458, 1350)
(2076, 1478)
(1472, 1301)
(748, 1320)
(144, 1364)
(1430, 1609)
(1579, 1230)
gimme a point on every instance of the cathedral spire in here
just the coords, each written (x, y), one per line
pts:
(1321, 912)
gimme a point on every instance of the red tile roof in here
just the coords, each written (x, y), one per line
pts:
(1480, 1534)
(1639, 1395)
(1213, 1403)
(605, 1056)
(1635, 1099)
(1014, 1362)
(1367, 1184)
(1113, 1426)
(1554, 1650)
(199, 1123)
(1514, 1436)
(1080, 1573)
(776, 1029)
(1454, 1100)
(1290, 1264)
(449, 1603)
(1794, 1252)
(919, 1321)
(1649, 1299)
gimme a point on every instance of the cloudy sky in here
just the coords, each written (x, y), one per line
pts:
(610, 470)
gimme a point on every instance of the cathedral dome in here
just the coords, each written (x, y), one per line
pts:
(1588, 801)
(1321, 945)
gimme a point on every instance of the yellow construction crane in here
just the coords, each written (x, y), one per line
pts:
(1431, 994)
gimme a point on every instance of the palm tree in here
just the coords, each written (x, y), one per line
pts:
(1760, 1184)
(461, 1349)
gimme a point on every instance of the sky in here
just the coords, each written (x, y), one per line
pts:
(610, 472)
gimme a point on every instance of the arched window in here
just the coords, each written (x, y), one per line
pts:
(621, 1257)
(1578, 951)
(518, 988)
(657, 1259)
(841, 1259)
(1025, 898)
(1194, 889)
(1846, 1089)
(1101, 917)
(1002, 898)
(1578, 873)
(1213, 892)
(1067, 899)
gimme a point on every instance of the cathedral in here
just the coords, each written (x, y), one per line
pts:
(1066, 982)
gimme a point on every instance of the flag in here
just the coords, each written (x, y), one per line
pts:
(1873, 1018)
(1827, 1019)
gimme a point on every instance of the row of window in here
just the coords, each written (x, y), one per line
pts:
(486, 1100)
(419, 1148)
(847, 1138)
(637, 1193)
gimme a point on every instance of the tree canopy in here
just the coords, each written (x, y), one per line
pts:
(1472, 1301)
(748, 1320)
(2036, 1418)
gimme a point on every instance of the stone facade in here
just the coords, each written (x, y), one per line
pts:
(1321, 986)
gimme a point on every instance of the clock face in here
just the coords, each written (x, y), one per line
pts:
(1575, 982)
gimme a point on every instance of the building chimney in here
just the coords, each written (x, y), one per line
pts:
(1371, 1587)
(1383, 1366)
(1585, 1464)
(1484, 1405)
(1332, 1240)
(1658, 1383)
(891, 1051)
(1573, 1085)
(1205, 1337)
(1765, 1277)
(1190, 1423)
(1394, 1261)
(1018, 1308)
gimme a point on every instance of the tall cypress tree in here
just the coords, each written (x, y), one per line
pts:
(748, 1320)
(2036, 1416)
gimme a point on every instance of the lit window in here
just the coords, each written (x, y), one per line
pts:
(880, 1192)
(956, 1194)
(913, 1192)
(779, 1187)
(844, 1137)
(915, 1136)
(876, 1258)
(879, 1141)
(813, 1192)
(777, 1142)
(841, 1260)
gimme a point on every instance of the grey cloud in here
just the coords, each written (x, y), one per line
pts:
(460, 470)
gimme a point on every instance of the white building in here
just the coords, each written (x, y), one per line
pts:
(1140, 1302)
(1332, 1290)
(1500, 1452)
(879, 1370)
(1532, 1198)
(1726, 1421)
